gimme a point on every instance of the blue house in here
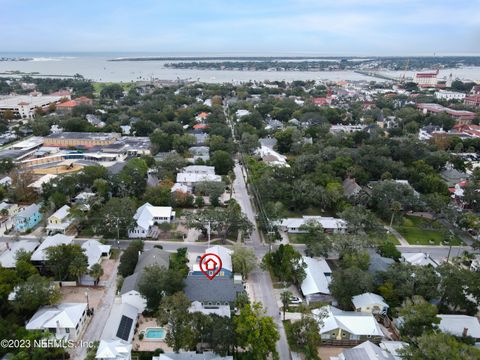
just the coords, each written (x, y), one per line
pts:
(27, 218)
(224, 254)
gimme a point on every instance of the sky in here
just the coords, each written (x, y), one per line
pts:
(250, 27)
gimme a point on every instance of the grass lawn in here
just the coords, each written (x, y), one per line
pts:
(419, 231)
(98, 86)
(391, 238)
(311, 211)
(296, 238)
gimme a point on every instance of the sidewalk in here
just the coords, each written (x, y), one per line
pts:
(400, 238)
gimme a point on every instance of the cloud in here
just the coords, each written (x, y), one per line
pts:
(370, 26)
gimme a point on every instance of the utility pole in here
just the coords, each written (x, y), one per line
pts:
(118, 232)
(208, 233)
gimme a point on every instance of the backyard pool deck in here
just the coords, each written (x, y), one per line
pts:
(148, 344)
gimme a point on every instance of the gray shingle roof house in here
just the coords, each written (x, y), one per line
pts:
(129, 292)
(350, 187)
(452, 176)
(152, 257)
(219, 291)
(379, 263)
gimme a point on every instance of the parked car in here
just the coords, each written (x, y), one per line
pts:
(295, 300)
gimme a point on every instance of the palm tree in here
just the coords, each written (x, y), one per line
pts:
(285, 297)
(395, 208)
(78, 267)
(231, 179)
(96, 272)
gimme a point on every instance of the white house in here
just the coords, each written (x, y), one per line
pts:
(317, 279)
(9, 209)
(117, 335)
(460, 325)
(241, 113)
(83, 200)
(220, 310)
(370, 303)
(114, 350)
(475, 265)
(336, 324)
(147, 216)
(181, 187)
(329, 224)
(8, 258)
(370, 351)
(199, 169)
(40, 255)
(6, 181)
(191, 179)
(271, 157)
(45, 179)
(190, 175)
(65, 321)
(95, 252)
(419, 259)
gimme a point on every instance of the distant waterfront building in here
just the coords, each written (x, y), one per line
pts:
(85, 139)
(472, 100)
(449, 95)
(426, 79)
(24, 106)
(68, 106)
(462, 116)
(335, 129)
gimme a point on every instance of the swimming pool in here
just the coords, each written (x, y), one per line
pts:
(157, 333)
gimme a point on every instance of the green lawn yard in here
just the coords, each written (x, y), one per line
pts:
(296, 238)
(420, 231)
(300, 239)
(391, 238)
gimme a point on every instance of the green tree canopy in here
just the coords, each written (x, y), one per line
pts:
(35, 292)
(243, 260)
(173, 310)
(286, 264)
(349, 282)
(157, 282)
(66, 261)
(129, 258)
(256, 333)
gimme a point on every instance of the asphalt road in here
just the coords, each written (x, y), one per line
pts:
(260, 280)
(240, 194)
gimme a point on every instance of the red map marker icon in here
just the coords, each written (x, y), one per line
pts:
(210, 265)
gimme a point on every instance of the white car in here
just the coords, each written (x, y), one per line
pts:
(295, 300)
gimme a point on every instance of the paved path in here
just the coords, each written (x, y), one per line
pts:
(400, 238)
(240, 194)
(102, 312)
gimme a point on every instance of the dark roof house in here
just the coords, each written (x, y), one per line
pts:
(350, 187)
(209, 292)
(147, 258)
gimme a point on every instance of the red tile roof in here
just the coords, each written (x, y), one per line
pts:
(67, 104)
(321, 101)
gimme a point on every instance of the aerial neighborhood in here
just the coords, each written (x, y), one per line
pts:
(306, 219)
